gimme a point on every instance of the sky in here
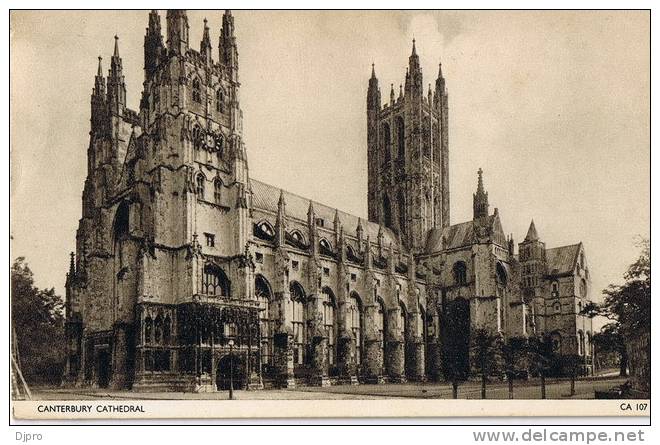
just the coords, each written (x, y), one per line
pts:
(554, 106)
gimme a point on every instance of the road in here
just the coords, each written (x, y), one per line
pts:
(555, 389)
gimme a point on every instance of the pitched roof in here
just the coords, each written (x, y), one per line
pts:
(265, 197)
(532, 235)
(562, 260)
(464, 234)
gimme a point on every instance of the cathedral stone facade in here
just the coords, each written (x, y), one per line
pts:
(186, 267)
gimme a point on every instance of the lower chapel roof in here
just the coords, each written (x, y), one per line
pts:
(457, 235)
(560, 260)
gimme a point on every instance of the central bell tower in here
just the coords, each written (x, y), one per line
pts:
(408, 156)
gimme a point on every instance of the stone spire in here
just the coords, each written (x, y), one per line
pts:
(440, 87)
(373, 92)
(480, 199)
(311, 224)
(177, 31)
(280, 222)
(116, 84)
(532, 235)
(99, 80)
(205, 44)
(227, 48)
(154, 23)
(116, 53)
(414, 75)
(72, 264)
(359, 232)
(153, 44)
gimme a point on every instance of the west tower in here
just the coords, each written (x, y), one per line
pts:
(408, 156)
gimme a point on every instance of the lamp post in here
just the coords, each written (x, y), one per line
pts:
(231, 369)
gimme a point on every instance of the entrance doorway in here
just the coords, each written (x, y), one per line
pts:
(230, 366)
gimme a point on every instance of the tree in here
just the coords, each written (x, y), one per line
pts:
(514, 357)
(485, 352)
(540, 356)
(610, 339)
(571, 365)
(37, 317)
(627, 306)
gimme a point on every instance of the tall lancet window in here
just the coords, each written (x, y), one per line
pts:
(196, 91)
(220, 101)
(329, 322)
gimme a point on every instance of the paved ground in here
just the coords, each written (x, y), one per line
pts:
(555, 389)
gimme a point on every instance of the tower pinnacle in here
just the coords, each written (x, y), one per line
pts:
(116, 85)
(532, 234)
(413, 65)
(99, 80)
(373, 92)
(153, 44)
(205, 45)
(480, 198)
(177, 31)
(227, 44)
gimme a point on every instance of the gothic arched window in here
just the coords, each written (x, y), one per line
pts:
(501, 274)
(329, 322)
(158, 329)
(351, 255)
(196, 91)
(263, 294)
(354, 323)
(401, 203)
(460, 273)
(580, 343)
(264, 231)
(325, 247)
(386, 143)
(297, 295)
(403, 320)
(298, 238)
(199, 186)
(197, 137)
(401, 138)
(220, 100)
(387, 211)
(215, 282)
(167, 330)
(217, 191)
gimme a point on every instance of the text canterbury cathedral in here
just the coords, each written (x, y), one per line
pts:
(186, 268)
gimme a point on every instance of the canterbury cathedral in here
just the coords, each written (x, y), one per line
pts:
(187, 269)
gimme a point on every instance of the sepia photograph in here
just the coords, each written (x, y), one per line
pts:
(389, 213)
